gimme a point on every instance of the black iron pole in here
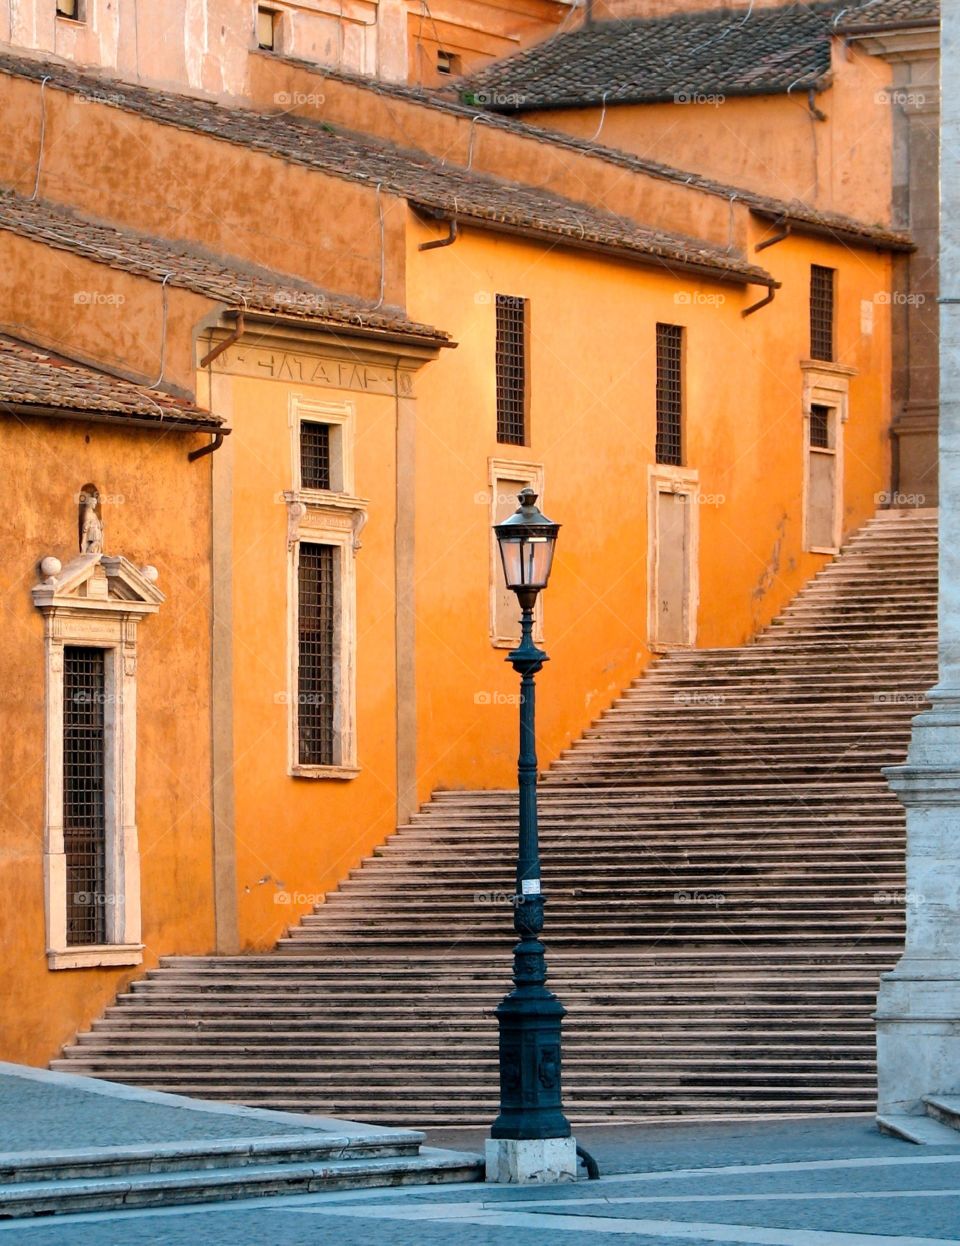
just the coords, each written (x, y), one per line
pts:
(531, 1104)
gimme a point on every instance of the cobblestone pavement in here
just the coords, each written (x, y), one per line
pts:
(788, 1183)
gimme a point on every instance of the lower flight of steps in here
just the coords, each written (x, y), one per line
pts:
(938, 1125)
(724, 865)
(172, 1174)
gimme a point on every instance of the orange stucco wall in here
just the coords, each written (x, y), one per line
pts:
(227, 197)
(511, 154)
(156, 508)
(769, 143)
(592, 419)
(592, 378)
(207, 45)
(297, 837)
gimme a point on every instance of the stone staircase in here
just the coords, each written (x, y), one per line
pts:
(724, 865)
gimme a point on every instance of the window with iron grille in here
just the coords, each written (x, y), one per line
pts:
(820, 427)
(84, 824)
(669, 394)
(316, 680)
(314, 455)
(822, 283)
(511, 369)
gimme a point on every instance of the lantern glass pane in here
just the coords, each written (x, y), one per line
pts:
(510, 557)
(526, 560)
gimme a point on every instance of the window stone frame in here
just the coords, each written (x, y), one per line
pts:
(95, 601)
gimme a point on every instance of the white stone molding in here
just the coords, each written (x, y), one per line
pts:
(326, 517)
(338, 523)
(95, 601)
(341, 419)
(828, 385)
(524, 473)
(664, 478)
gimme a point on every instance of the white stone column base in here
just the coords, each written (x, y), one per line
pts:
(531, 1161)
(918, 1034)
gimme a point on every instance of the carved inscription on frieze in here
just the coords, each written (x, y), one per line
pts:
(304, 369)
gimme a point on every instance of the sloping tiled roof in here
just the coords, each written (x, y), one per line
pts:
(877, 15)
(803, 217)
(447, 190)
(239, 286)
(644, 60)
(32, 377)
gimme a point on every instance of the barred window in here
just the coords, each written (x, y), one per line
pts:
(511, 369)
(669, 394)
(84, 823)
(820, 427)
(822, 287)
(316, 655)
(314, 455)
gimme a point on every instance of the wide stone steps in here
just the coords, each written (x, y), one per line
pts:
(724, 866)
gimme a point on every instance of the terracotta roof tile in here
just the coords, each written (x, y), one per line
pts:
(841, 228)
(192, 268)
(712, 52)
(877, 15)
(32, 377)
(448, 190)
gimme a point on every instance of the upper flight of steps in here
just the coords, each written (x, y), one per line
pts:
(724, 866)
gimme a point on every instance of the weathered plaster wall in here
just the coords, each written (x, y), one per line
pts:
(230, 198)
(592, 419)
(205, 45)
(295, 838)
(155, 509)
(470, 141)
(769, 143)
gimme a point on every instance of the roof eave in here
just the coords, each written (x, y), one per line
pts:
(340, 329)
(630, 255)
(835, 232)
(881, 28)
(176, 423)
(821, 83)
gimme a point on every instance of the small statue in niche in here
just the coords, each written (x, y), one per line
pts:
(91, 526)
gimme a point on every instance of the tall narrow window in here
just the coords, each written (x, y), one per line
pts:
(316, 662)
(511, 369)
(268, 29)
(84, 818)
(822, 296)
(670, 394)
(314, 455)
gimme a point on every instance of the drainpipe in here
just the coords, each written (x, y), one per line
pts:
(450, 239)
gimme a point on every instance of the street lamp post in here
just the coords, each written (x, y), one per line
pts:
(530, 1141)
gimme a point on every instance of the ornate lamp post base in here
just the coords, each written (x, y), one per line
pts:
(531, 1161)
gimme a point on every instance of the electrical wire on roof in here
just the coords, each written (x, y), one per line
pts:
(425, 13)
(477, 116)
(603, 116)
(43, 132)
(383, 248)
(163, 332)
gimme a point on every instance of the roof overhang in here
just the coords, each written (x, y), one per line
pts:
(876, 239)
(126, 419)
(627, 255)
